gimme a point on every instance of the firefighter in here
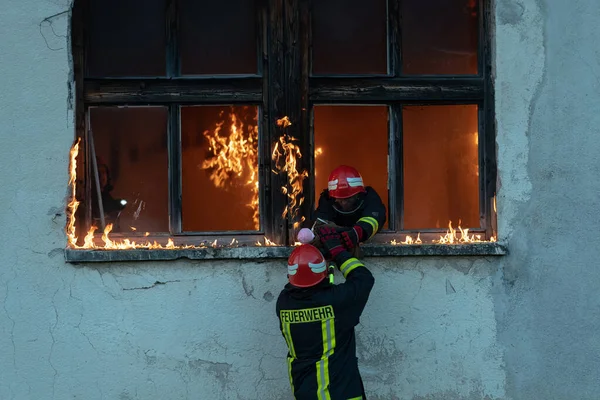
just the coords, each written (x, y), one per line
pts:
(317, 320)
(347, 203)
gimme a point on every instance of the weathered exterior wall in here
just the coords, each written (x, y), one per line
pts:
(548, 304)
(523, 326)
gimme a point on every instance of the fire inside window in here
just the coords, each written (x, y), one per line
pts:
(223, 157)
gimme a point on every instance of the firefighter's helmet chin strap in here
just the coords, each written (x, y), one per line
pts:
(359, 205)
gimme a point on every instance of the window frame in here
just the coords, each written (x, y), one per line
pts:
(285, 86)
(397, 90)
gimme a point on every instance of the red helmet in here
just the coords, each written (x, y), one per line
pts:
(306, 266)
(344, 182)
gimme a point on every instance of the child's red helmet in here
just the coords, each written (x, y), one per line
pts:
(306, 266)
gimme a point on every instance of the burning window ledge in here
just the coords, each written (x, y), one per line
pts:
(277, 252)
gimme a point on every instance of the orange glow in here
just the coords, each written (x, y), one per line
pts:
(441, 166)
(290, 152)
(235, 154)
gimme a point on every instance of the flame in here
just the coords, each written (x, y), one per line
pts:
(409, 239)
(284, 122)
(89, 239)
(235, 154)
(267, 242)
(73, 203)
(452, 237)
(318, 152)
(286, 148)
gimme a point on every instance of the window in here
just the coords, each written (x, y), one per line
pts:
(181, 106)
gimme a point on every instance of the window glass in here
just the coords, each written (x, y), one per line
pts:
(439, 36)
(220, 168)
(126, 38)
(356, 136)
(441, 166)
(131, 149)
(218, 37)
(349, 37)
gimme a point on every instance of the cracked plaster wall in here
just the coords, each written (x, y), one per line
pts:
(515, 327)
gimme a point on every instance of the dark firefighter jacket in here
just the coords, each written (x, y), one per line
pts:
(318, 326)
(370, 215)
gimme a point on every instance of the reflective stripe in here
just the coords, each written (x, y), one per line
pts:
(354, 182)
(289, 361)
(356, 398)
(318, 268)
(371, 221)
(328, 334)
(287, 334)
(350, 265)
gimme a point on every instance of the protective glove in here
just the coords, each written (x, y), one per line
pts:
(331, 241)
(351, 238)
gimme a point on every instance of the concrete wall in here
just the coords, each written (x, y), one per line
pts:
(523, 326)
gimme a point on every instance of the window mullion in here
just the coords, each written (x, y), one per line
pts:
(274, 99)
(174, 156)
(172, 35)
(395, 170)
(296, 98)
(394, 37)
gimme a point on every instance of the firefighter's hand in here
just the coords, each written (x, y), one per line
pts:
(351, 238)
(331, 241)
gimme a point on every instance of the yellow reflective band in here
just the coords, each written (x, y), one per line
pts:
(356, 398)
(350, 265)
(289, 361)
(287, 334)
(371, 221)
(328, 335)
(306, 315)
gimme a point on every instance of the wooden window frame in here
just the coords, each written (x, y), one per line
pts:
(284, 86)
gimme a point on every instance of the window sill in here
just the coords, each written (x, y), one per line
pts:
(278, 252)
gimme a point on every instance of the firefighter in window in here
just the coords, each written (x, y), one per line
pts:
(317, 320)
(112, 207)
(355, 211)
